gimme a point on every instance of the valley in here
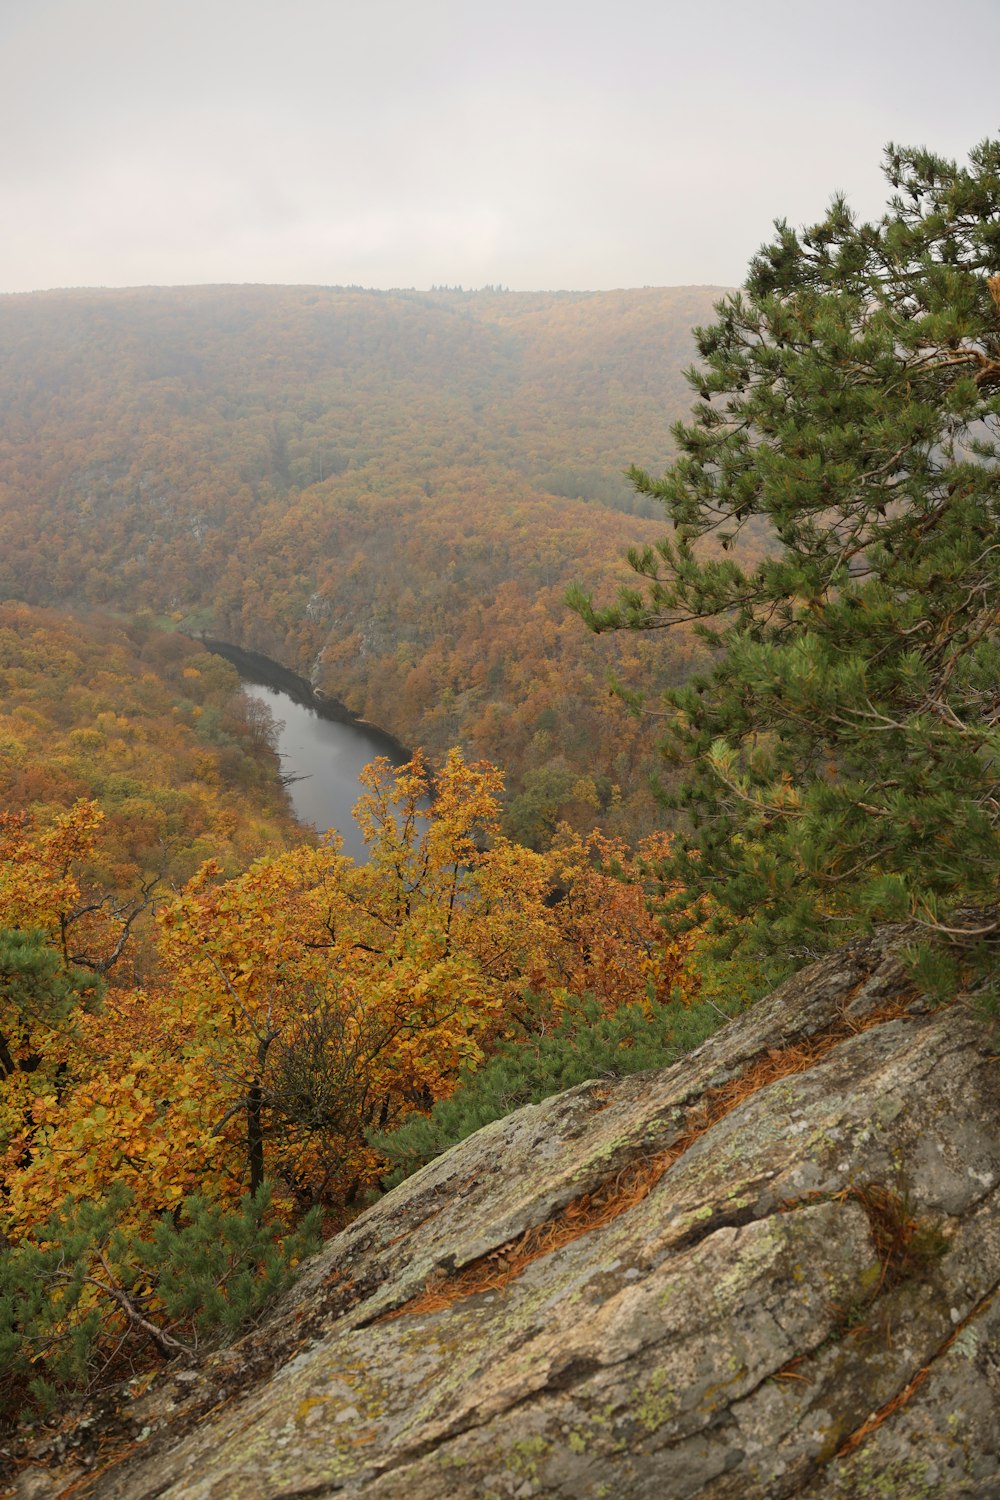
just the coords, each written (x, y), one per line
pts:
(389, 493)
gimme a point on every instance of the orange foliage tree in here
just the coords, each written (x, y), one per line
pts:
(325, 997)
(616, 947)
(86, 1069)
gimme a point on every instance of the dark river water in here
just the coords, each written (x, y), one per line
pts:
(328, 757)
(319, 744)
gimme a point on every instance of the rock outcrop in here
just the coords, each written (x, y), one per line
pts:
(768, 1271)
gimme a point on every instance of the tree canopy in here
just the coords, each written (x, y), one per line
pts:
(842, 752)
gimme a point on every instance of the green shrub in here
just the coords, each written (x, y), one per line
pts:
(88, 1298)
(586, 1044)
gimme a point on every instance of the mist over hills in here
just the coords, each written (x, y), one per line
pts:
(387, 490)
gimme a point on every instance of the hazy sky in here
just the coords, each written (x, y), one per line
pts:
(558, 143)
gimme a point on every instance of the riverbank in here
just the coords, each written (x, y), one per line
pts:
(323, 747)
(253, 666)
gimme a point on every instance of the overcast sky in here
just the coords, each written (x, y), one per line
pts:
(557, 143)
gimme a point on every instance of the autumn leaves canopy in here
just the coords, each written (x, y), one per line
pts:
(306, 1001)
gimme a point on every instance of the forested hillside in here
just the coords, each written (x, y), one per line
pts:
(205, 1024)
(156, 733)
(186, 1064)
(390, 491)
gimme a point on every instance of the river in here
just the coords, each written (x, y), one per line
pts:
(320, 743)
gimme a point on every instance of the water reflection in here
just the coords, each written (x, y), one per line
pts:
(326, 758)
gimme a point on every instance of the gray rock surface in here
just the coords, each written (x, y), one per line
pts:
(787, 1289)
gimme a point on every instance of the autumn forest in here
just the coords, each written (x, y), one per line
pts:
(212, 1023)
(388, 492)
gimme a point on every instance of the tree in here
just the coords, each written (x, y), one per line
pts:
(39, 1002)
(320, 998)
(94, 1294)
(842, 753)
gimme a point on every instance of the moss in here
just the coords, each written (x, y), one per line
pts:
(907, 1246)
(869, 1279)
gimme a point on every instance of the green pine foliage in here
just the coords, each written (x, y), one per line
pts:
(85, 1301)
(37, 993)
(219, 1268)
(586, 1044)
(843, 755)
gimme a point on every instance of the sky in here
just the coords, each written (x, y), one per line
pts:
(396, 143)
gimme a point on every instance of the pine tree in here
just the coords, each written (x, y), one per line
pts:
(38, 995)
(842, 755)
(92, 1293)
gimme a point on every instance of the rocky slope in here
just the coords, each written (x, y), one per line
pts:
(768, 1271)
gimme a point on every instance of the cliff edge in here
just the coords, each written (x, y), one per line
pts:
(767, 1271)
